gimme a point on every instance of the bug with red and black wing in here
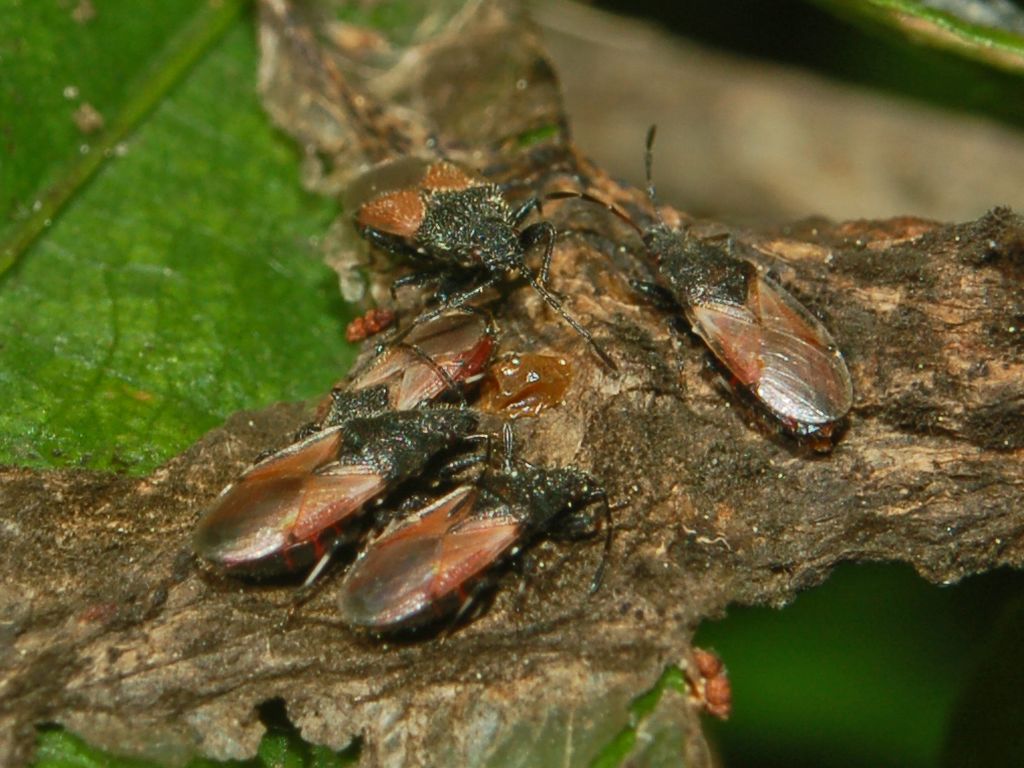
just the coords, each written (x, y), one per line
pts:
(780, 357)
(431, 565)
(292, 506)
(289, 511)
(776, 351)
(436, 358)
(461, 229)
(774, 348)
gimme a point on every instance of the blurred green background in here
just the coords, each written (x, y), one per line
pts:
(162, 271)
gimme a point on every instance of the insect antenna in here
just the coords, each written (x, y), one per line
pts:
(652, 132)
(608, 206)
(446, 378)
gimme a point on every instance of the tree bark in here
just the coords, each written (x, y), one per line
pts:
(108, 626)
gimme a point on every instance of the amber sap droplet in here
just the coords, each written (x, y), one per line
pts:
(525, 385)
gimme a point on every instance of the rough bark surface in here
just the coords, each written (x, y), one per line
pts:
(109, 627)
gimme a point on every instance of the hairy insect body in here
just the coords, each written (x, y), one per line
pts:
(695, 272)
(286, 512)
(464, 233)
(780, 357)
(471, 228)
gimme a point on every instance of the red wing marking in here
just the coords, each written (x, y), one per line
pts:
(297, 460)
(458, 344)
(446, 177)
(470, 548)
(416, 568)
(780, 352)
(330, 497)
(734, 336)
(398, 213)
(250, 519)
(285, 500)
(248, 523)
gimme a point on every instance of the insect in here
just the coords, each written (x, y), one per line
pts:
(431, 565)
(462, 230)
(437, 357)
(291, 506)
(777, 352)
(288, 511)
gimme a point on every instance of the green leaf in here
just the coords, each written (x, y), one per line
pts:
(169, 276)
(623, 745)
(281, 747)
(996, 38)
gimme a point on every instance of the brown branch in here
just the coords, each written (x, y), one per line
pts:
(108, 627)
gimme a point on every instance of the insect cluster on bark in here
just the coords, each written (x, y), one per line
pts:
(412, 467)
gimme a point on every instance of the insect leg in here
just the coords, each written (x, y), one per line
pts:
(449, 382)
(595, 582)
(390, 244)
(447, 303)
(414, 279)
(578, 523)
(542, 230)
(318, 568)
(508, 440)
(524, 210)
(470, 602)
(457, 301)
(547, 230)
(309, 585)
(454, 466)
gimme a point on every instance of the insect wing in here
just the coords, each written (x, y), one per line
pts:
(445, 351)
(780, 352)
(420, 569)
(281, 511)
(331, 496)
